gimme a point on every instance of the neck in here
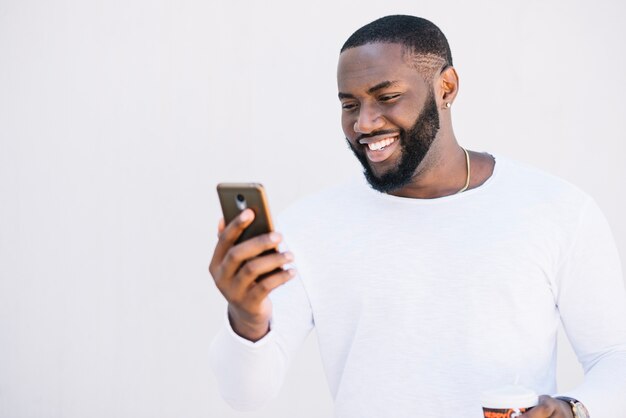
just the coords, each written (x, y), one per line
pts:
(442, 172)
(444, 179)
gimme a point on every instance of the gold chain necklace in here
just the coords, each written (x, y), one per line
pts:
(467, 181)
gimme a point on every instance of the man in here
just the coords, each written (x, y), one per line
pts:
(449, 278)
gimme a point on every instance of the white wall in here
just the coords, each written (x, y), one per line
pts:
(118, 118)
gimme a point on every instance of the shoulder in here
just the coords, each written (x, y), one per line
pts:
(522, 181)
(325, 209)
(338, 197)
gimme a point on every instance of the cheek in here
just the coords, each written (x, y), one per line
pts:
(403, 116)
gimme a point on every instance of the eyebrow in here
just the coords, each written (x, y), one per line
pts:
(373, 89)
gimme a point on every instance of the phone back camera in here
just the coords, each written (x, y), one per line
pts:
(240, 201)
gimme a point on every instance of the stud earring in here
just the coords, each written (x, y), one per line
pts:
(448, 105)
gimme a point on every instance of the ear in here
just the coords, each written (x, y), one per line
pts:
(447, 87)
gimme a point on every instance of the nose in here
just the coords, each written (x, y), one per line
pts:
(369, 120)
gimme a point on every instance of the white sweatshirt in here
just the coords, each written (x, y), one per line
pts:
(420, 304)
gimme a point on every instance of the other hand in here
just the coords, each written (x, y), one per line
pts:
(550, 407)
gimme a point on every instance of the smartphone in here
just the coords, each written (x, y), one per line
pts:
(236, 197)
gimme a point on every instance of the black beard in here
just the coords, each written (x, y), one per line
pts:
(414, 144)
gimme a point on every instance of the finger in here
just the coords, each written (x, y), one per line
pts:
(253, 269)
(239, 254)
(220, 228)
(261, 289)
(229, 235)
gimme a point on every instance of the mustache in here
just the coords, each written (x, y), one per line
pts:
(377, 133)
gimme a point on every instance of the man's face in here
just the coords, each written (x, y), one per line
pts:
(389, 113)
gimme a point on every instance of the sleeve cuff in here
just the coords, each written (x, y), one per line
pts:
(240, 340)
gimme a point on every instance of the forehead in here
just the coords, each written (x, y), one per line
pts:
(367, 65)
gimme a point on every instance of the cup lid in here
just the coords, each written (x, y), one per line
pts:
(509, 396)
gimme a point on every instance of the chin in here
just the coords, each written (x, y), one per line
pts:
(380, 170)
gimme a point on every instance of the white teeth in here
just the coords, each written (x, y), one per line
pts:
(377, 146)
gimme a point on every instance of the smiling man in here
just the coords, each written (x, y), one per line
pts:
(381, 87)
(448, 276)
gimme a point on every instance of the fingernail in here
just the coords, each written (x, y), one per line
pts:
(292, 272)
(288, 257)
(246, 215)
(275, 237)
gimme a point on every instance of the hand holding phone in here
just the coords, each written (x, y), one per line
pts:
(246, 264)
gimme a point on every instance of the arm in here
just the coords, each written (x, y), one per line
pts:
(251, 352)
(592, 304)
(249, 373)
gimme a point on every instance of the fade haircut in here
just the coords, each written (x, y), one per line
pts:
(423, 43)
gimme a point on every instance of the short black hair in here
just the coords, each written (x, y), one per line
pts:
(420, 38)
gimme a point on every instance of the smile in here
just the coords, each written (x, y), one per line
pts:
(378, 144)
(382, 147)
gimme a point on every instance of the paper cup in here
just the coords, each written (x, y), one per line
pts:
(508, 401)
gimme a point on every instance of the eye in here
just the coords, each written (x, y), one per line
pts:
(348, 106)
(388, 97)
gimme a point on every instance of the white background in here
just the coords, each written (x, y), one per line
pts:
(118, 118)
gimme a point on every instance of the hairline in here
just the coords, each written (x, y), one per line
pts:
(408, 51)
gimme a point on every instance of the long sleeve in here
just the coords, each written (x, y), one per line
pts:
(250, 374)
(592, 304)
